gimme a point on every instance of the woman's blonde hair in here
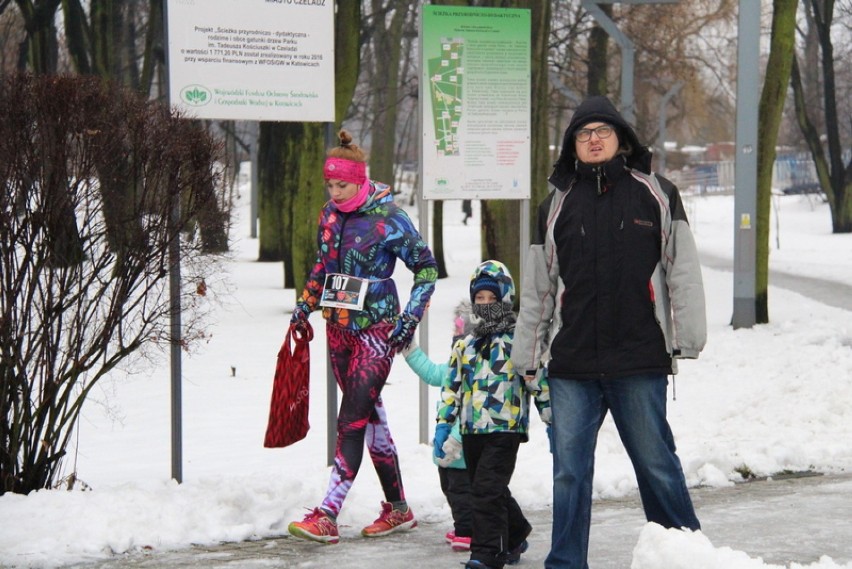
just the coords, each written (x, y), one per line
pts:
(347, 149)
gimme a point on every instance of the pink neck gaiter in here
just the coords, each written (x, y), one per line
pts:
(355, 201)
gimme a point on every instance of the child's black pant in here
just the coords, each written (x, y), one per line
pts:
(499, 525)
(455, 484)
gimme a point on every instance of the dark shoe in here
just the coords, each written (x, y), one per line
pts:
(514, 556)
(476, 564)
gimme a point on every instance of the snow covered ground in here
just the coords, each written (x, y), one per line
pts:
(764, 400)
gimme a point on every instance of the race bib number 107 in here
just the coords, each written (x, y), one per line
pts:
(344, 291)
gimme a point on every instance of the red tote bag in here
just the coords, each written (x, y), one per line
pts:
(288, 410)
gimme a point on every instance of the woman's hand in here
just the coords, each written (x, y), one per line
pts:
(403, 331)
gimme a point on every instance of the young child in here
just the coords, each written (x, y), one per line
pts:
(452, 471)
(491, 403)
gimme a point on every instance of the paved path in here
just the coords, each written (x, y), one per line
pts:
(832, 293)
(794, 519)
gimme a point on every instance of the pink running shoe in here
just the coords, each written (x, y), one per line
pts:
(389, 521)
(460, 543)
(317, 526)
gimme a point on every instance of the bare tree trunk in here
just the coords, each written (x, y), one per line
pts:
(501, 235)
(291, 159)
(501, 218)
(809, 130)
(811, 76)
(76, 35)
(40, 50)
(437, 244)
(308, 198)
(771, 109)
(834, 177)
(540, 162)
(275, 207)
(598, 56)
(154, 57)
(387, 48)
(347, 55)
(841, 177)
(104, 46)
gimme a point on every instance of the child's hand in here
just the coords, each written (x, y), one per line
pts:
(452, 452)
(442, 433)
(407, 350)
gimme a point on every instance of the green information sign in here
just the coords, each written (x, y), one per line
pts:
(475, 110)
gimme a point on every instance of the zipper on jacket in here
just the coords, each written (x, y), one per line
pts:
(344, 218)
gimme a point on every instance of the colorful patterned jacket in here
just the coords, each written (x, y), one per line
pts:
(483, 389)
(366, 243)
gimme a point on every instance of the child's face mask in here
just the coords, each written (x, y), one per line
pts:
(492, 312)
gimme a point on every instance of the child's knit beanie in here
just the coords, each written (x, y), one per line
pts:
(485, 282)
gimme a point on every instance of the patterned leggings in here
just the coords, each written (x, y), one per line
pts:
(361, 363)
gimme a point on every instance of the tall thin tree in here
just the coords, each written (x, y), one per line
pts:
(835, 177)
(291, 157)
(501, 218)
(772, 98)
(39, 51)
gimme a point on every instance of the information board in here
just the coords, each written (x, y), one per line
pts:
(270, 60)
(475, 102)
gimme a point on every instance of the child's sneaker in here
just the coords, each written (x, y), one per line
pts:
(514, 556)
(317, 526)
(476, 564)
(460, 543)
(389, 521)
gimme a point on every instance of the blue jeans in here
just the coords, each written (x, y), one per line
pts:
(638, 407)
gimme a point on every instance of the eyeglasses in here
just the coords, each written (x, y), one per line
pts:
(585, 134)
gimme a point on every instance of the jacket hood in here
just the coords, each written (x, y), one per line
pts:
(593, 109)
(500, 273)
(379, 193)
(462, 326)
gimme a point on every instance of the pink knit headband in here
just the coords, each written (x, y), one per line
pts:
(346, 170)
